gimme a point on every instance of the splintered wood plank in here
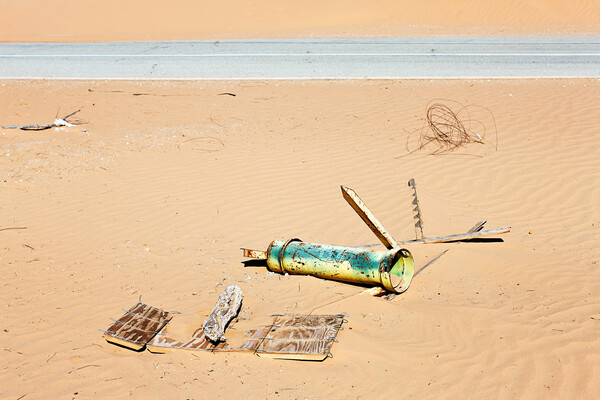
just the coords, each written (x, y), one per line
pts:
(295, 349)
(306, 320)
(367, 216)
(137, 326)
(164, 344)
(460, 236)
(297, 337)
(477, 227)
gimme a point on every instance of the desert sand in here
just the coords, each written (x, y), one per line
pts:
(156, 190)
(112, 20)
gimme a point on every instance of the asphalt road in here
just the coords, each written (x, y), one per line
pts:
(375, 58)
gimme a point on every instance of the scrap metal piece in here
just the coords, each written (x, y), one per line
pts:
(137, 326)
(416, 210)
(227, 307)
(258, 254)
(392, 269)
(296, 337)
(367, 216)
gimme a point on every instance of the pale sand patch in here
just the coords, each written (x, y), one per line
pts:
(159, 194)
(112, 20)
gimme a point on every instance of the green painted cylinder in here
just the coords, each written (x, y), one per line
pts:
(391, 269)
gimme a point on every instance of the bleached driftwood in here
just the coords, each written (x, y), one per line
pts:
(225, 310)
(58, 122)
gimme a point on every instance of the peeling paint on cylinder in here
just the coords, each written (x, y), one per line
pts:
(392, 269)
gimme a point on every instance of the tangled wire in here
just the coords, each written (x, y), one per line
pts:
(450, 130)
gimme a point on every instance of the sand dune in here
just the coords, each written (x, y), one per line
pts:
(155, 194)
(111, 20)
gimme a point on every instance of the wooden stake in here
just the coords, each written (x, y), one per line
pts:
(367, 216)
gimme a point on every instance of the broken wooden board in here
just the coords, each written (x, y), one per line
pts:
(460, 236)
(477, 227)
(451, 238)
(164, 344)
(137, 326)
(367, 216)
(296, 337)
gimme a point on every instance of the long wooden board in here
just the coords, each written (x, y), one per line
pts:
(460, 236)
(137, 326)
(198, 341)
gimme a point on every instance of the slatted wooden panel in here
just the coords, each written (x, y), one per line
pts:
(164, 344)
(299, 337)
(137, 326)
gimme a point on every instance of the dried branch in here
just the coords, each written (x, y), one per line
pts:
(57, 123)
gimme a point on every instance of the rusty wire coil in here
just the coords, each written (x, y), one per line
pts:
(449, 130)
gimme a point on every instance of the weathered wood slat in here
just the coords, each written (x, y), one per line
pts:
(306, 320)
(477, 227)
(460, 236)
(165, 344)
(367, 216)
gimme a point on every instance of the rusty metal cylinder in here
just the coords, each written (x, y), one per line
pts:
(391, 269)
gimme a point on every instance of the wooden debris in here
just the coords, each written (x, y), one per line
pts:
(137, 326)
(460, 236)
(477, 227)
(296, 337)
(475, 232)
(57, 123)
(227, 307)
(416, 210)
(367, 216)
(164, 344)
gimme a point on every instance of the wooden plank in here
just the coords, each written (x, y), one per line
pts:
(306, 320)
(165, 344)
(137, 326)
(460, 236)
(367, 216)
(477, 227)
(295, 349)
(416, 210)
